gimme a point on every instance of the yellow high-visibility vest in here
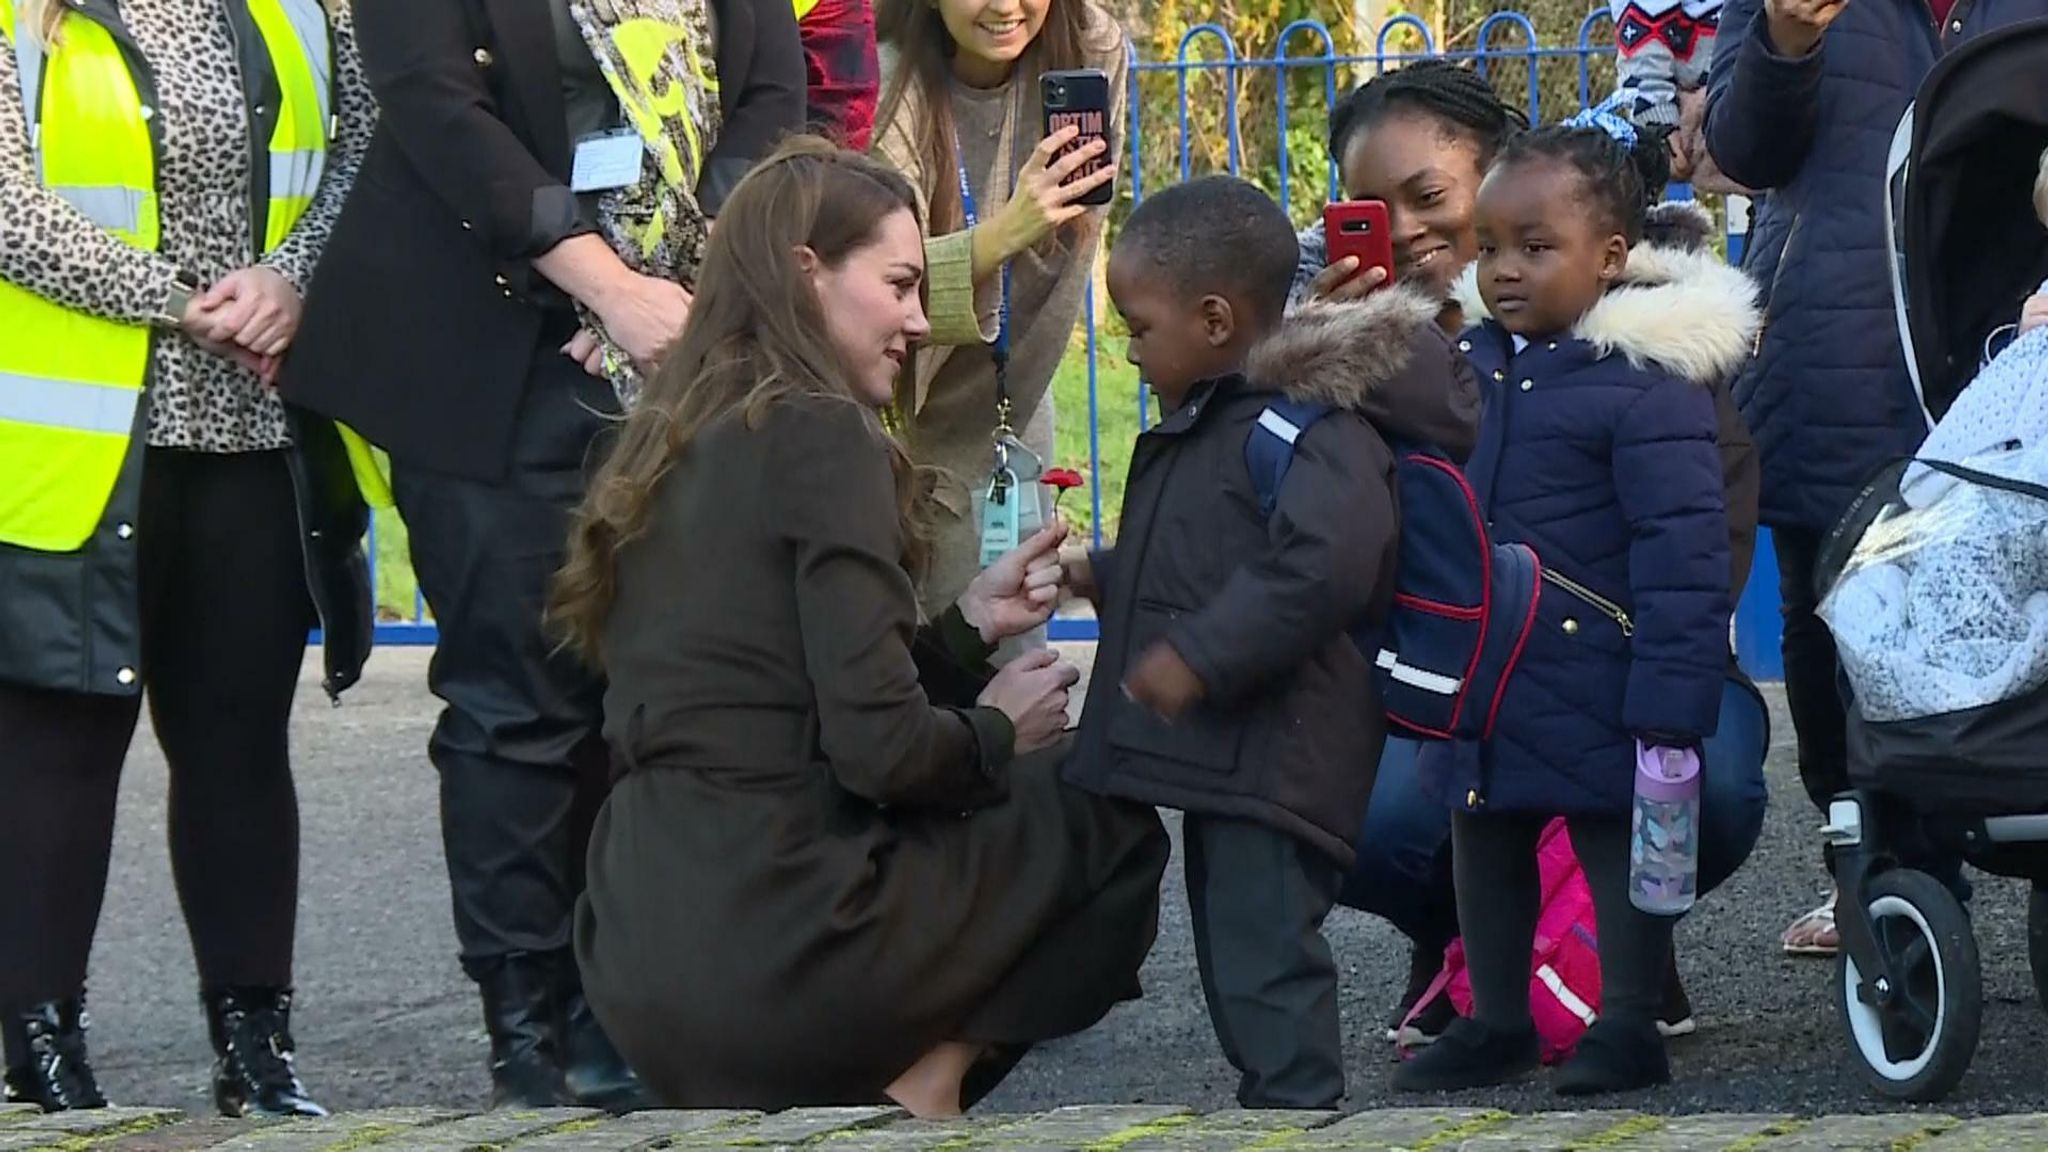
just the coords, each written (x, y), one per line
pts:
(71, 384)
(803, 8)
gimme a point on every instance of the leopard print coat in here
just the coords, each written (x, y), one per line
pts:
(197, 400)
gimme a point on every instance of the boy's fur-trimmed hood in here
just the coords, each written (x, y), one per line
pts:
(1384, 357)
(1681, 308)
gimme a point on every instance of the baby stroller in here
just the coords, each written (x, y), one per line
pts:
(1936, 587)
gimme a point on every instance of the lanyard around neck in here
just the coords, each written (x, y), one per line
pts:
(999, 348)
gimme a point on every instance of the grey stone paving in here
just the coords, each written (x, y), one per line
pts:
(1102, 1128)
(385, 1018)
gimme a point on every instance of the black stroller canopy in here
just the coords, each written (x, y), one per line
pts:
(1973, 248)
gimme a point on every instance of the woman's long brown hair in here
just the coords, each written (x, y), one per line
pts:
(917, 33)
(756, 335)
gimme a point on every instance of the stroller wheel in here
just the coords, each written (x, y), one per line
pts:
(1914, 1040)
(2037, 941)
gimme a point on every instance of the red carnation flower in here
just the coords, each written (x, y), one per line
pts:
(1059, 480)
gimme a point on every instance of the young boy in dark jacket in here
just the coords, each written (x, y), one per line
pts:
(1226, 683)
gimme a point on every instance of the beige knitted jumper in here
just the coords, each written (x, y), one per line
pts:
(955, 405)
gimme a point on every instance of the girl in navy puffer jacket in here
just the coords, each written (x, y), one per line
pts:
(1597, 449)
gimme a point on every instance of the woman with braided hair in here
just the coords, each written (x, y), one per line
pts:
(1421, 139)
(519, 250)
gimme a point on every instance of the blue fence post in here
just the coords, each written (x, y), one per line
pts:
(1281, 61)
(1229, 63)
(1410, 23)
(1529, 55)
(1759, 622)
(1586, 50)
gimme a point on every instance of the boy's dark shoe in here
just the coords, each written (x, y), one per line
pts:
(1470, 1055)
(1615, 1057)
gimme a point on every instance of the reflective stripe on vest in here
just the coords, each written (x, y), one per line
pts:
(70, 397)
(298, 159)
(295, 34)
(71, 393)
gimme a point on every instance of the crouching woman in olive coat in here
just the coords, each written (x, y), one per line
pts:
(839, 865)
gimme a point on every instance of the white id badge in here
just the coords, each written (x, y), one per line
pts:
(999, 506)
(606, 160)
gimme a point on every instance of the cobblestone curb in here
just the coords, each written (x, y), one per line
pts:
(1093, 1129)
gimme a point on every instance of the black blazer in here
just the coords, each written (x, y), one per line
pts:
(424, 318)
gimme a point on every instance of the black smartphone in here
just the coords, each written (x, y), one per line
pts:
(1079, 98)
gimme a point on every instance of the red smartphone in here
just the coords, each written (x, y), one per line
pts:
(1079, 98)
(1363, 229)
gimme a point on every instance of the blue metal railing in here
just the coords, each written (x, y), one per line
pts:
(1757, 634)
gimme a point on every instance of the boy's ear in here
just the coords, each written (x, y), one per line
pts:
(1613, 258)
(1219, 320)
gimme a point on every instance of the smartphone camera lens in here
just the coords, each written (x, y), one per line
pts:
(1057, 94)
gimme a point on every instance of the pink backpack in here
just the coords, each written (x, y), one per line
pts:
(1564, 980)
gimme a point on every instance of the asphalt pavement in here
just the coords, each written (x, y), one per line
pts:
(386, 1018)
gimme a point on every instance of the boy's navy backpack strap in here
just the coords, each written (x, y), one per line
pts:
(1270, 448)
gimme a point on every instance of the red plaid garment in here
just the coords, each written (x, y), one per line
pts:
(843, 76)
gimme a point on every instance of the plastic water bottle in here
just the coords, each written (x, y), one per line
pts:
(1664, 845)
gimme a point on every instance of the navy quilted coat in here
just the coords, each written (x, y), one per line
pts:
(1827, 396)
(1599, 452)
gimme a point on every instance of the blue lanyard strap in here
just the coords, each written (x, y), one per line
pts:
(999, 348)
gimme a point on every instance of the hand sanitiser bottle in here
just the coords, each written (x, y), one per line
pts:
(1664, 845)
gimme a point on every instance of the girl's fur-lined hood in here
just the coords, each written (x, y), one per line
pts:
(1383, 357)
(1677, 306)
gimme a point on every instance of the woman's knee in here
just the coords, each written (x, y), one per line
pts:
(1402, 837)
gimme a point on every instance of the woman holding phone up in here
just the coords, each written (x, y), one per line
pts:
(1012, 239)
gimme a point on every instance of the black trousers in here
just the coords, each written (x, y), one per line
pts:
(1500, 896)
(518, 748)
(1258, 898)
(224, 619)
(1813, 677)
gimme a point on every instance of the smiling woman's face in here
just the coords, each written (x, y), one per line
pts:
(990, 36)
(1429, 175)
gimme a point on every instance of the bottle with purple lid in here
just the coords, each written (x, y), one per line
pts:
(1664, 845)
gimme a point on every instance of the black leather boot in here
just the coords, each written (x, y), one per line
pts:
(597, 1076)
(521, 1010)
(46, 1060)
(254, 1073)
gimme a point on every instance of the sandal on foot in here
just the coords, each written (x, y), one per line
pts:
(1814, 934)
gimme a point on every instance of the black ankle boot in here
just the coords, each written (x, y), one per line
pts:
(596, 1075)
(254, 1073)
(1615, 1056)
(520, 1013)
(1470, 1055)
(46, 1060)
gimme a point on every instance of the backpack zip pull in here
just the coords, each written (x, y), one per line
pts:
(1608, 608)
